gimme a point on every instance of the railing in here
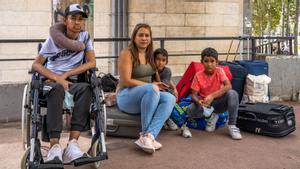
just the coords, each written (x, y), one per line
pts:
(273, 45)
(251, 45)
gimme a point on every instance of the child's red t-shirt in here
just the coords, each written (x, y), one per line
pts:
(207, 84)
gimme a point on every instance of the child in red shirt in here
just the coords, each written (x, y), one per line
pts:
(211, 88)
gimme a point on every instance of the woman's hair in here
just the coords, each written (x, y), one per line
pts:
(134, 49)
(161, 51)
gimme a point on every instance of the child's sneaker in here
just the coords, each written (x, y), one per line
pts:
(185, 132)
(146, 144)
(72, 152)
(54, 154)
(234, 132)
(207, 111)
(211, 122)
(172, 125)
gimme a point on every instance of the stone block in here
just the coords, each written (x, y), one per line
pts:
(38, 32)
(19, 48)
(213, 20)
(185, 31)
(14, 18)
(134, 18)
(177, 69)
(158, 31)
(102, 31)
(222, 31)
(195, 20)
(102, 48)
(37, 5)
(16, 75)
(102, 6)
(231, 20)
(221, 8)
(102, 19)
(165, 19)
(13, 5)
(175, 46)
(153, 6)
(180, 6)
(13, 32)
(183, 60)
(15, 65)
(39, 18)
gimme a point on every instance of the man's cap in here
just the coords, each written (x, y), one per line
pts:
(73, 9)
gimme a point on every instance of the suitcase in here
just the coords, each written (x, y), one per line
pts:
(276, 120)
(255, 67)
(184, 85)
(121, 124)
(239, 75)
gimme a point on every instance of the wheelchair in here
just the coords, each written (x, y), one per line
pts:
(33, 124)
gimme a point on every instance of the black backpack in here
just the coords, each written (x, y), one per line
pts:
(108, 81)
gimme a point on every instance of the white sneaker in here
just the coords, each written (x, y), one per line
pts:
(54, 154)
(234, 132)
(211, 122)
(207, 111)
(185, 132)
(146, 144)
(172, 125)
(72, 152)
(157, 145)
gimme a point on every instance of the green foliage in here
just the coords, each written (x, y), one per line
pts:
(261, 9)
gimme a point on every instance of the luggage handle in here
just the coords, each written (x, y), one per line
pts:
(251, 115)
(112, 130)
(289, 116)
(245, 104)
(281, 108)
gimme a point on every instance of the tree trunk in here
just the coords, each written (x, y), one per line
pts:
(296, 28)
(283, 18)
(288, 18)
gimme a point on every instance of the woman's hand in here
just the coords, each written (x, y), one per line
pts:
(162, 86)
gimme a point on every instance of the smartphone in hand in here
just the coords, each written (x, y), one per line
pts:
(163, 86)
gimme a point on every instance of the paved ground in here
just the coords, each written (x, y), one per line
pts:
(203, 151)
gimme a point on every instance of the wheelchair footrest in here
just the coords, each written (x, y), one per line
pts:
(87, 160)
(50, 166)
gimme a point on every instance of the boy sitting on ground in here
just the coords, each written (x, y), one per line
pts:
(211, 88)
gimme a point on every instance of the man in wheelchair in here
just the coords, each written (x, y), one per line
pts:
(60, 67)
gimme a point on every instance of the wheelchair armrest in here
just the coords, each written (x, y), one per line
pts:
(31, 71)
(93, 70)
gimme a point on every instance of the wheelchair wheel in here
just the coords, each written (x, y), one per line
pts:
(101, 108)
(25, 159)
(96, 148)
(26, 116)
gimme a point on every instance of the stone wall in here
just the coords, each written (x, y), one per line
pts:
(284, 72)
(189, 18)
(26, 19)
(30, 19)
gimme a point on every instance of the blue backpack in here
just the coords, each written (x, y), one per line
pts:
(179, 116)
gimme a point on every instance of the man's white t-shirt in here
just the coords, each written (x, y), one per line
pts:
(61, 60)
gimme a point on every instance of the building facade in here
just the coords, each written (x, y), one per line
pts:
(31, 19)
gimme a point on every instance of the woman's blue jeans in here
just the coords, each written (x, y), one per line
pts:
(154, 106)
